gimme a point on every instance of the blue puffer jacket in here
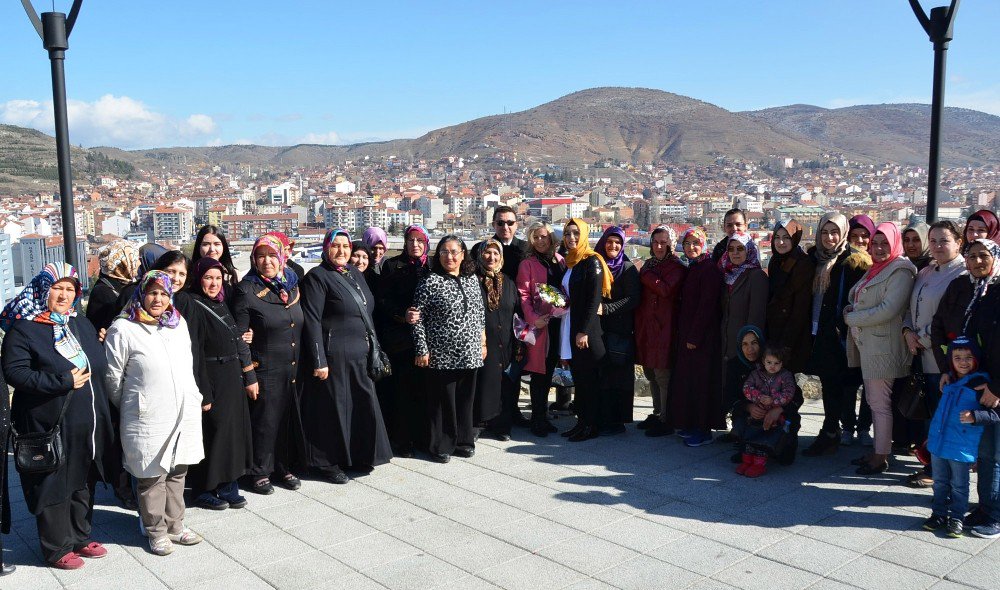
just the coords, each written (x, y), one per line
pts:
(948, 437)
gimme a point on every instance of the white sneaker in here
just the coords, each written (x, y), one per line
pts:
(846, 438)
(866, 439)
(162, 546)
(186, 537)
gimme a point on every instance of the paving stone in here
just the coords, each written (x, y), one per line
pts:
(477, 552)
(530, 572)
(486, 515)
(934, 560)
(638, 534)
(331, 530)
(755, 573)
(808, 554)
(979, 572)
(588, 555)
(868, 572)
(136, 579)
(290, 515)
(259, 550)
(590, 584)
(434, 532)
(307, 570)
(469, 583)
(699, 555)
(390, 514)
(367, 552)
(743, 535)
(584, 516)
(535, 533)
(416, 572)
(645, 572)
(243, 580)
(682, 516)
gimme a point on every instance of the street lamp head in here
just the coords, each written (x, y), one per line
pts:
(54, 27)
(938, 25)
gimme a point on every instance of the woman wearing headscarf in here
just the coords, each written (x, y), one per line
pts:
(450, 342)
(267, 301)
(541, 265)
(861, 228)
(875, 321)
(661, 278)
(363, 260)
(971, 307)
(982, 224)
(341, 419)
(52, 358)
(588, 282)
(378, 243)
(211, 242)
(119, 263)
(286, 248)
(838, 267)
(231, 379)
(148, 255)
(151, 381)
(946, 265)
(496, 392)
(618, 311)
(915, 244)
(401, 395)
(744, 296)
(695, 386)
(790, 275)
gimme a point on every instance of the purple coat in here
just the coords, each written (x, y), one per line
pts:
(530, 274)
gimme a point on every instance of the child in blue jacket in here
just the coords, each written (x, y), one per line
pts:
(953, 440)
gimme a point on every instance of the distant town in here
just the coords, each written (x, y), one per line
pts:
(457, 194)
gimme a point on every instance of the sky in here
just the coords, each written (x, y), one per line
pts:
(195, 73)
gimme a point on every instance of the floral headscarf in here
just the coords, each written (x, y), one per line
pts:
(327, 240)
(283, 282)
(617, 263)
(696, 233)
(827, 257)
(119, 260)
(32, 304)
(135, 312)
(198, 271)
(492, 279)
(422, 261)
(981, 285)
(733, 271)
(583, 251)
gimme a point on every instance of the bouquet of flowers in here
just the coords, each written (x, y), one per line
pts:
(553, 297)
(524, 331)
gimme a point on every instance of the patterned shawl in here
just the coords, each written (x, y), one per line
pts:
(119, 260)
(422, 261)
(492, 279)
(32, 304)
(733, 271)
(981, 285)
(135, 312)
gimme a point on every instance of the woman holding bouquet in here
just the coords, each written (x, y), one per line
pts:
(541, 266)
(588, 281)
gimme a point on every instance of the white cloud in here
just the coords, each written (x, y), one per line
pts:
(118, 121)
(329, 138)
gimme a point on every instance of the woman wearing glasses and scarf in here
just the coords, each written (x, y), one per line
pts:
(52, 358)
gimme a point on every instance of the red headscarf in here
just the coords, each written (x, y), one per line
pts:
(891, 232)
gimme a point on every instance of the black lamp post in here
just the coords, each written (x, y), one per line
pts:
(939, 28)
(54, 29)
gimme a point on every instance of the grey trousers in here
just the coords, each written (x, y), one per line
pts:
(161, 503)
(659, 380)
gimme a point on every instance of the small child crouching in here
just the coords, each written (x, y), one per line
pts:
(953, 440)
(768, 390)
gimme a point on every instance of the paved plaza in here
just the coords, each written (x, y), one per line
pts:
(616, 512)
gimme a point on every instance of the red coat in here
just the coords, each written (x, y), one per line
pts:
(531, 273)
(655, 317)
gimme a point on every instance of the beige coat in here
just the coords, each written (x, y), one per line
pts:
(875, 340)
(151, 380)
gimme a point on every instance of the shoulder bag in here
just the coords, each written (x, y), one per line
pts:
(41, 452)
(909, 393)
(378, 360)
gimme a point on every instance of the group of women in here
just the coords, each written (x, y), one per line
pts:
(185, 375)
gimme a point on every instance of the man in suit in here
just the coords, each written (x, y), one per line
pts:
(505, 226)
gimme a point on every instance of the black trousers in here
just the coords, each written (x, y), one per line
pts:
(589, 405)
(450, 397)
(65, 526)
(840, 394)
(509, 393)
(539, 384)
(271, 421)
(402, 401)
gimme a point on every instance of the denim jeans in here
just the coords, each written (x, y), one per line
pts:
(951, 487)
(989, 471)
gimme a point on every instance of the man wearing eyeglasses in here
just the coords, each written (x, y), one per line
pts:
(505, 226)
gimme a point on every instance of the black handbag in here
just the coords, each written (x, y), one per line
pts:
(619, 348)
(910, 394)
(378, 361)
(40, 452)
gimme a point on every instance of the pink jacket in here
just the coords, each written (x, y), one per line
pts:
(780, 387)
(531, 273)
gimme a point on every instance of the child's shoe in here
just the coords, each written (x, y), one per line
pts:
(747, 462)
(758, 468)
(935, 522)
(955, 528)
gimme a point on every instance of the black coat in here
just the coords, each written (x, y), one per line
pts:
(226, 426)
(4, 438)
(829, 352)
(513, 254)
(585, 285)
(500, 345)
(341, 417)
(618, 325)
(789, 307)
(296, 268)
(984, 325)
(41, 380)
(277, 331)
(397, 284)
(102, 306)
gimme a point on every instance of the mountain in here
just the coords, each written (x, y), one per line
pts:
(28, 159)
(892, 132)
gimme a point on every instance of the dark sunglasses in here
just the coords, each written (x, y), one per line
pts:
(507, 223)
